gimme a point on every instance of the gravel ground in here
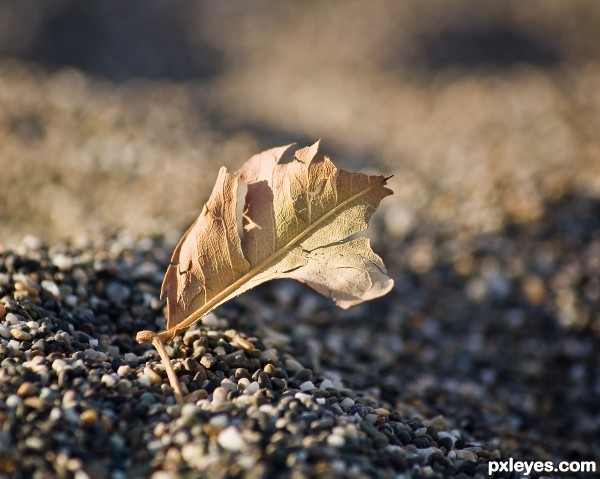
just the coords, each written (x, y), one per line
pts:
(487, 349)
(488, 346)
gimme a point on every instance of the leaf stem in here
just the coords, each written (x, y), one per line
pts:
(160, 347)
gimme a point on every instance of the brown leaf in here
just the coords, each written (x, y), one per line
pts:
(299, 217)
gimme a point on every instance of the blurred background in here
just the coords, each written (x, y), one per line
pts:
(115, 116)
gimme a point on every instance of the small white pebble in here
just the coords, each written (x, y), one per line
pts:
(144, 381)
(307, 386)
(252, 388)
(347, 403)
(267, 408)
(58, 365)
(62, 261)
(152, 375)
(188, 410)
(33, 325)
(336, 440)
(81, 474)
(243, 400)
(13, 401)
(123, 370)
(305, 398)
(220, 395)
(219, 421)
(211, 320)
(55, 414)
(281, 423)
(243, 383)
(109, 380)
(51, 287)
(231, 439)
(4, 332)
(326, 384)
(12, 318)
(229, 384)
(427, 471)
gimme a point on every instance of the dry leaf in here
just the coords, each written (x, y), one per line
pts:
(298, 222)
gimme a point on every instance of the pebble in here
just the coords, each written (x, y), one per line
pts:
(58, 365)
(229, 384)
(13, 401)
(4, 332)
(264, 381)
(372, 418)
(29, 288)
(88, 418)
(220, 395)
(211, 321)
(70, 415)
(116, 292)
(347, 403)
(109, 380)
(252, 388)
(243, 383)
(51, 287)
(307, 386)
(12, 318)
(426, 452)
(243, 343)
(152, 376)
(208, 361)
(293, 366)
(34, 402)
(220, 421)
(71, 300)
(27, 389)
(465, 455)
(336, 440)
(231, 439)
(63, 261)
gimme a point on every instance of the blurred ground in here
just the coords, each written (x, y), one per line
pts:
(115, 118)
